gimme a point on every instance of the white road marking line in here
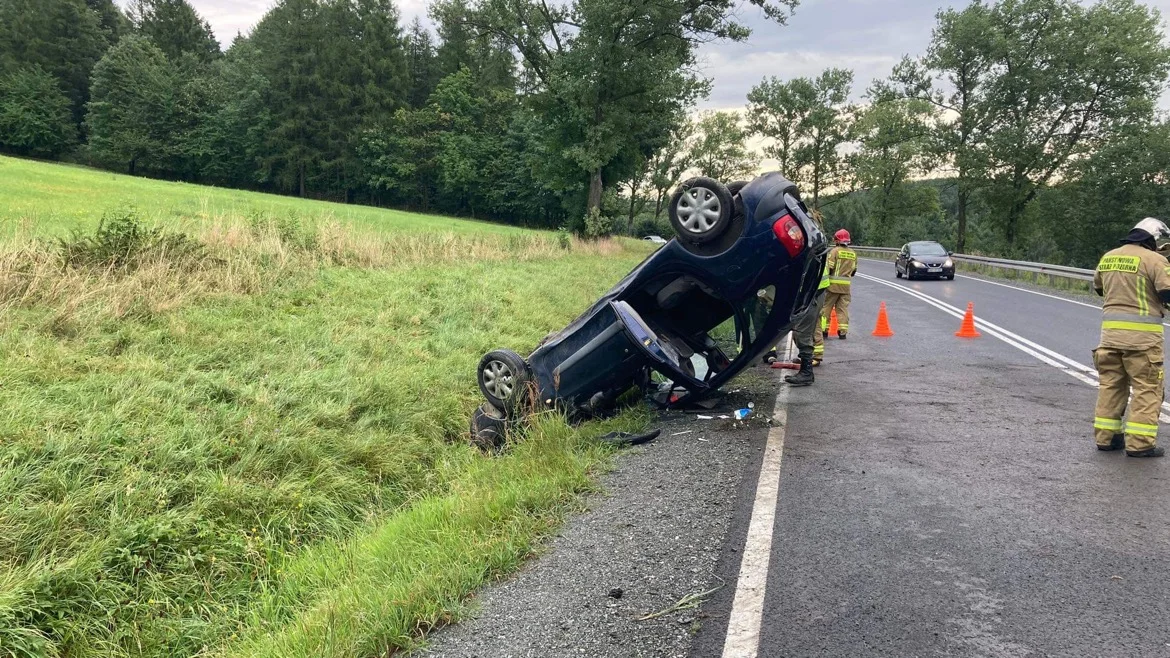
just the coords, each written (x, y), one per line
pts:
(747, 608)
(1012, 338)
(1059, 361)
(1034, 292)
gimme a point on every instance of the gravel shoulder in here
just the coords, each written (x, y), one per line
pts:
(656, 533)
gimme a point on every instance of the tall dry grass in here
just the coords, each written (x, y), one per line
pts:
(234, 255)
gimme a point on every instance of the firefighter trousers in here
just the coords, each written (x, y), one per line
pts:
(840, 302)
(807, 332)
(1123, 372)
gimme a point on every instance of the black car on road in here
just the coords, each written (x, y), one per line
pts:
(924, 259)
(743, 268)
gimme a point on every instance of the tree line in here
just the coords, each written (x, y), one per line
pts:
(521, 111)
(1028, 128)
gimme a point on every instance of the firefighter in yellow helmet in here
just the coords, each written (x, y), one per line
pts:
(841, 266)
(1134, 279)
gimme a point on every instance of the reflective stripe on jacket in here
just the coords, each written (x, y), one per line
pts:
(841, 267)
(1131, 277)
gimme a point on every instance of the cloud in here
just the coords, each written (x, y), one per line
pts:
(735, 75)
(866, 36)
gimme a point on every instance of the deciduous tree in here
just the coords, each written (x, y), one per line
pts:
(35, 116)
(1068, 78)
(718, 147)
(129, 118)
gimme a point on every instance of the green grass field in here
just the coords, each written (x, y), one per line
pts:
(46, 197)
(250, 441)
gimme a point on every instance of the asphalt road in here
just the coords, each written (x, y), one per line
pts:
(936, 496)
(942, 496)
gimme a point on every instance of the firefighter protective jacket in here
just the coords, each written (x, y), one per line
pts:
(841, 267)
(1131, 277)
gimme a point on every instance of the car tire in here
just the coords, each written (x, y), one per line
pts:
(489, 427)
(950, 277)
(503, 379)
(701, 209)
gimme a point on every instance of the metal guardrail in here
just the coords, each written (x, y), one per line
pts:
(1061, 271)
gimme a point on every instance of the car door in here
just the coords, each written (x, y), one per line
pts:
(903, 258)
(662, 354)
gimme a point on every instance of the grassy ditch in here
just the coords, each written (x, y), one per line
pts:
(242, 435)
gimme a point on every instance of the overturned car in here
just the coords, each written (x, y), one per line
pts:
(743, 268)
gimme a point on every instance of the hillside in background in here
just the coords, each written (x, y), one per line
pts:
(47, 198)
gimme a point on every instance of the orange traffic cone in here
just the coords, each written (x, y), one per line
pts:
(968, 328)
(882, 330)
(833, 328)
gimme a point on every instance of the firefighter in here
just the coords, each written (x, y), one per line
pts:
(841, 266)
(806, 334)
(1134, 279)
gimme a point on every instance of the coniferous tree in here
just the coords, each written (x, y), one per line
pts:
(65, 38)
(176, 28)
(422, 64)
(332, 69)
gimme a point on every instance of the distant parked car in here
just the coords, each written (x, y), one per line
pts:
(924, 259)
(746, 266)
(656, 239)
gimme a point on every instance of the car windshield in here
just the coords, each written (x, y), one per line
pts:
(933, 249)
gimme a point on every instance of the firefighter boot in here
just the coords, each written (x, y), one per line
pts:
(1148, 452)
(804, 377)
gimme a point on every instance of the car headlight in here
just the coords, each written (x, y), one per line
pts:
(916, 263)
(949, 263)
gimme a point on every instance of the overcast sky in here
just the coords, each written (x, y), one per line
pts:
(867, 36)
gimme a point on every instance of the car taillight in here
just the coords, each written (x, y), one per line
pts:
(788, 230)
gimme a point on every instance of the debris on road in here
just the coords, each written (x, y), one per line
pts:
(688, 602)
(616, 593)
(627, 439)
(740, 414)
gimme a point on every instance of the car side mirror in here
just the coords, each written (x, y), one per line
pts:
(950, 253)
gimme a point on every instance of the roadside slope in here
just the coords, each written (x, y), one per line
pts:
(208, 433)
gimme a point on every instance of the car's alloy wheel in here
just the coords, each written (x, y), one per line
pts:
(502, 378)
(499, 379)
